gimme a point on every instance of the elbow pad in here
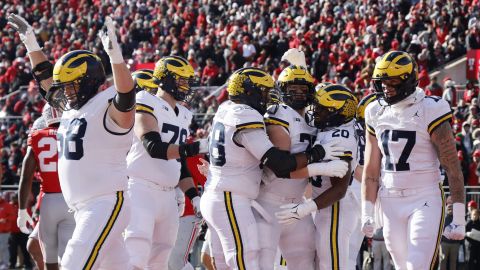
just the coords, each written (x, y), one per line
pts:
(280, 162)
(125, 102)
(154, 145)
(41, 72)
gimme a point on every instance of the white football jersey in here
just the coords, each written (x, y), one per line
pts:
(91, 159)
(403, 133)
(346, 136)
(302, 137)
(173, 126)
(232, 167)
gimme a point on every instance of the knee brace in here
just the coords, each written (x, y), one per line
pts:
(138, 250)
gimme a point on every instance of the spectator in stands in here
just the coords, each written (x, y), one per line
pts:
(472, 205)
(17, 239)
(5, 212)
(434, 88)
(450, 92)
(449, 248)
(473, 237)
(473, 36)
(467, 141)
(473, 178)
(210, 73)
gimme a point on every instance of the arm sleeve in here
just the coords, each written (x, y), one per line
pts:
(254, 140)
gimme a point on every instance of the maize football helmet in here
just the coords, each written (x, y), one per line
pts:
(297, 86)
(144, 80)
(77, 77)
(175, 76)
(333, 105)
(253, 87)
(362, 105)
(395, 65)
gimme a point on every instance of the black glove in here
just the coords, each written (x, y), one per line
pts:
(315, 154)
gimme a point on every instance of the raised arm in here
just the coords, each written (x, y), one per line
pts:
(42, 69)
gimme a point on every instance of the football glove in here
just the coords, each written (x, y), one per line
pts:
(23, 218)
(25, 31)
(456, 229)
(110, 43)
(196, 206)
(368, 222)
(203, 168)
(295, 211)
(295, 57)
(334, 168)
(327, 151)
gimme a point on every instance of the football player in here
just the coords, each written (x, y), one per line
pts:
(93, 139)
(157, 164)
(357, 235)
(238, 145)
(408, 137)
(332, 112)
(287, 128)
(57, 223)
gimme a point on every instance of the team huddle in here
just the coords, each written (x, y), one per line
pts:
(121, 153)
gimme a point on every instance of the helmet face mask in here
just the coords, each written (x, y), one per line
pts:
(77, 76)
(396, 70)
(297, 96)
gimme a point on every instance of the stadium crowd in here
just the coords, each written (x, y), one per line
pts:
(341, 40)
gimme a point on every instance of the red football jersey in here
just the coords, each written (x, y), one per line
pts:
(44, 146)
(198, 180)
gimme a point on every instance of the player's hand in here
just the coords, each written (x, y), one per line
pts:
(327, 151)
(295, 57)
(368, 226)
(294, 211)
(454, 231)
(203, 168)
(25, 31)
(193, 149)
(334, 168)
(196, 206)
(23, 218)
(110, 43)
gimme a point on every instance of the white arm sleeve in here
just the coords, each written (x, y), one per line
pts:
(255, 141)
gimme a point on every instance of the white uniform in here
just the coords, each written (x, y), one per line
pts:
(357, 236)
(233, 182)
(93, 176)
(151, 233)
(410, 197)
(296, 242)
(334, 223)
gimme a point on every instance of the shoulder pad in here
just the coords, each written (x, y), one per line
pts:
(243, 117)
(437, 111)
(281, 116)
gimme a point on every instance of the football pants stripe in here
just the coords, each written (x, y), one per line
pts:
(334, 235)
(370, 130)
(440, 231)
(276, 121)
(235, 230)
(250, 125)
(436, 123)
(111, 221)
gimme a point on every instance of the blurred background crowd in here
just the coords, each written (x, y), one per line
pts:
(341, 40)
